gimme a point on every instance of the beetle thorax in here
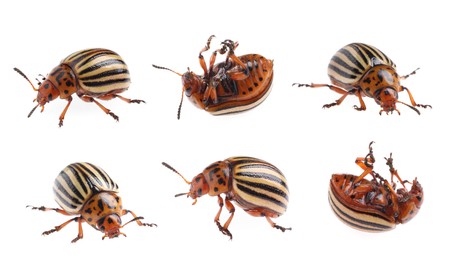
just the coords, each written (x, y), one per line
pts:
(409, 202)
(102, 211)
(193, 86)
(382, 84)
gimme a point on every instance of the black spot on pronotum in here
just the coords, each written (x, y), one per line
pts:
(100, 205)
(46, 86)
(419, 198)
(199, 192)
(215, 189)
(197, 179)
(260, 78)
(66, 92)
(89, 220)
(250, 89)
(88, 211)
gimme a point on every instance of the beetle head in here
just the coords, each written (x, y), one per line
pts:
(410, 202)
(110, 225)
(387, 98)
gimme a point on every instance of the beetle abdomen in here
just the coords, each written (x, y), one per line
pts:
(99, 71)
(259, 185)
(351, 62)
(77, 182)
(354, 208)
(240, 95)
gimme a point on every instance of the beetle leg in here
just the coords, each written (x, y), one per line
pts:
(42, 208)
(201, 58)
(137, 219)
(62, 115)
(366, 163)
(412, 73)
(107, 111)
(274, 225)
(223, 229)
(393, 171)
(362, 104)
(412, 99)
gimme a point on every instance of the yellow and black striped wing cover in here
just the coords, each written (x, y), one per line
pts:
(77, 182)
(259, 185)
(351, 62)
(99, 71)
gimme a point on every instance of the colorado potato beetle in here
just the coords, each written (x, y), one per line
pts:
(256, 186)
(373, 205)
(91, 74)
(237, 84)
(363, 70)
(87, 190)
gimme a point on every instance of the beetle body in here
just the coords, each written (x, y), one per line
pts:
(86, 190)
(373, 205)
(237, 84)
(90, 73)
(254, 185)
(363, 70)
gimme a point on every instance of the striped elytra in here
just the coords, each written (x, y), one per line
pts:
(91, 74)
(256, 186)
(237, 84)
(362, 70)
(86, 190)
(373, 205)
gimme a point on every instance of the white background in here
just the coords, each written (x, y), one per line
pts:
(290, 129)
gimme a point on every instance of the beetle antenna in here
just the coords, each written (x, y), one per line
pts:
(181, 194)
(413, 108)
(180, 105)
(174, 170)
(23, 75)
(163, 68)
(33, 110)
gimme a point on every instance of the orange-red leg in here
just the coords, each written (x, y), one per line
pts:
(62, 115)
(366, 163)
(224, 229)
(137, 219)
(274, 225)
(107, 111)
(79, 219)
(201, 58)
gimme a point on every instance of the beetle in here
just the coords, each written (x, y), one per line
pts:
(87, 190)
(256, 186)
(374, 205)
(91, 74)
(237, 84)
(362, 70)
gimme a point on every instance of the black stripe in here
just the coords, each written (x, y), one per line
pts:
(96, 55)
(64, 177)
(358, 47)
(341, 72)
(262, 186)
(261, 175)
(79, 53)
(101, 64)
(353, 59)
(372, 225)
(106, 74)
(261, 196)
(90, 177)
(66, 201)
(106, 82)
(107, 179)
